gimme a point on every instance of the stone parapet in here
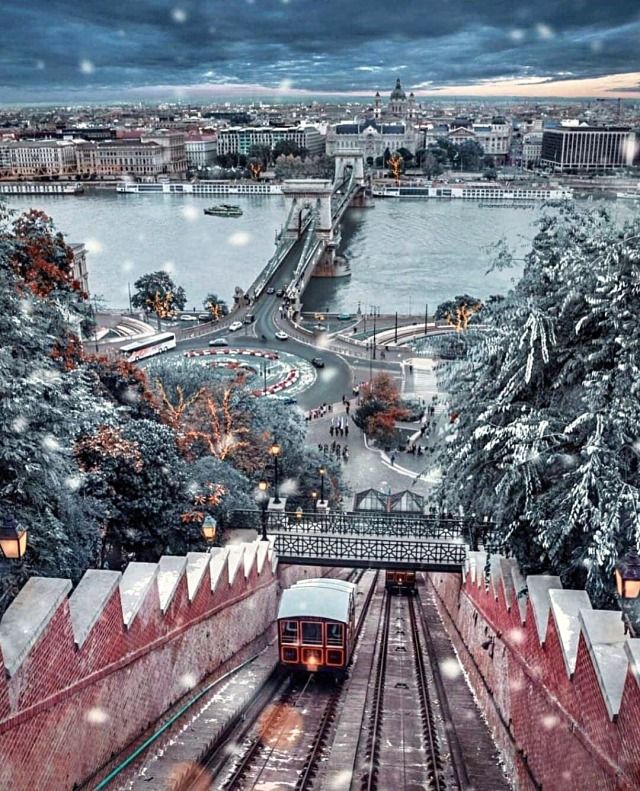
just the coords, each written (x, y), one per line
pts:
(558, 680)
(87, 673)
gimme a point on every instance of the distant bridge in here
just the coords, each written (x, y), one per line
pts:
(315, 208)
(372, 540)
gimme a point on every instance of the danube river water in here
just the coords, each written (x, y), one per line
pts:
(403, 253)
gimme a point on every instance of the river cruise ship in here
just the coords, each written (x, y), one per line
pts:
(482, 191)
(202, 188)
(38, 188)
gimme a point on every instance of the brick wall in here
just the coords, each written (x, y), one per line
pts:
(83, 677)
(558, 681)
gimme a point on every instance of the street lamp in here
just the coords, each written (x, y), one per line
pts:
(209, 529)
(263, 486)
(314, 497)
(323, 472)
(13, 540)
(275, 450)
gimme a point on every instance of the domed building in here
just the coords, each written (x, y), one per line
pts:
(388, 127)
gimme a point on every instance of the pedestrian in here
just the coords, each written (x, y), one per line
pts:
(333, 446)
(410, 368)
(330, 407)
(331, 429)
(393, 459)
(347, 407)
(326, 448)
(338, 449)
(346, 429)
(344, 398)
(320, 446)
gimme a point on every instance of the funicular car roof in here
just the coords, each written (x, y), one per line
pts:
(328, 582)
(317, 601)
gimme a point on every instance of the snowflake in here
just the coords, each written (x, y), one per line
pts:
(239, 239)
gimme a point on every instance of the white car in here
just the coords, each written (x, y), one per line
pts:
(235, 326)
(188, 317)
(219, 342)
(281, 336)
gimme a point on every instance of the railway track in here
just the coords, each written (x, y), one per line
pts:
(401, 743)
(285, 733)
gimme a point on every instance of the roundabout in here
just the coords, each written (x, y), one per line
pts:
(268, 373)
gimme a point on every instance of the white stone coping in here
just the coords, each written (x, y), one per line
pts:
(250, 551)
(170, 571)
(262, 553)
(134, 586)
(506, 578)
(477, 562)
(197, 563)
(520, 591)
(28, 616)
(217, 564)
(235, 560)
(565, 607)
(632, 647)
(538, 586)
(604, 635)
(88, 600)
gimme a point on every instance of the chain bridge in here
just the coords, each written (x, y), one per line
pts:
(311, 232)
(370, 540)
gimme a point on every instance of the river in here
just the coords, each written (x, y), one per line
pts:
(403, 253)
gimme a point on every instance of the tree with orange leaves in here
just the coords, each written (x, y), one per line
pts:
(379, 409)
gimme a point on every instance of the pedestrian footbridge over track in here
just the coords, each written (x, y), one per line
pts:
(421, 543)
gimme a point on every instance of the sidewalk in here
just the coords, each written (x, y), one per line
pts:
(369, 468)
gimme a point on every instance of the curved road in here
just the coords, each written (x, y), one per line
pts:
(331, 382)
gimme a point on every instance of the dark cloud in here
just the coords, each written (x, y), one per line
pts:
(85, 47)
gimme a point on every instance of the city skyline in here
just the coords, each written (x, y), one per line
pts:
(156, 50)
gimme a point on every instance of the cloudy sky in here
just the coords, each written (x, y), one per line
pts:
(136, 49)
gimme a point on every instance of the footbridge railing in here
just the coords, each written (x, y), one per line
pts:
(362, 524)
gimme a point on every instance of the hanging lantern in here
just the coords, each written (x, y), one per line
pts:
(209, 529)
(13, 540)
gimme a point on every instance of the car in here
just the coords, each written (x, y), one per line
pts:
(205, 316)
(289, 401)
(317, 362)
(235, 326)
(188, 317)
(320, 327)
(280, 292)
(219, 342)
(281, 336)
(271, 290)
(249, 318)
(344, 316)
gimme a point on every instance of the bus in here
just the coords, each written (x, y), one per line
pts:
(147, 347)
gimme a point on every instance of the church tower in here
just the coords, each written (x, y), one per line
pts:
(377, 109)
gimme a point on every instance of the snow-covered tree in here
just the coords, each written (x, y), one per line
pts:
(547, 407)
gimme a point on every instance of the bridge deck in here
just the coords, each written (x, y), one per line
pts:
(370, 551)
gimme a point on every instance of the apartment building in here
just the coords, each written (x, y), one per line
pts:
(239, 140)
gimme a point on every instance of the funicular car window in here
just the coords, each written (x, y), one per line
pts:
(289, 631)
(311, 633)
(334, 634)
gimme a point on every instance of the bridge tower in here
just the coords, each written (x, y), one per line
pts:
(302, 196)
(353, 160)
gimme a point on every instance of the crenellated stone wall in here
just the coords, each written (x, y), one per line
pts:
(559, 682)
(86, 673)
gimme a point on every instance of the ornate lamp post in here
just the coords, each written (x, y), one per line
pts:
(275, 450)
(627, 575)
(264, 499)
(13, 540)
